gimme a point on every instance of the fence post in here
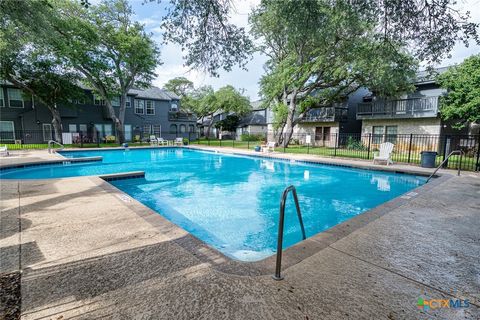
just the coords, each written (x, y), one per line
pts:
(477, 166)
(410, 148)
(233, 141)
(446, 145)
(81, 139)
(284, 142)
(248, 143)
(335, 146)
(369, 144)
(98, 139)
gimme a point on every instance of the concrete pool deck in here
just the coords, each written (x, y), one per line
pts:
(79, 248)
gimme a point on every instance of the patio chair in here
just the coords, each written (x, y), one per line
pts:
(153, 140)
(384, 153)
(269, 147)
(178, 141)
(162, 142)
(4, 151)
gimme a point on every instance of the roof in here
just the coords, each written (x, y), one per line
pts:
(149, 93)
(429, 75)
(154, 93)
(256, 117)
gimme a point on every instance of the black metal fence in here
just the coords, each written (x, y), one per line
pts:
(38, 139)
(408, 147)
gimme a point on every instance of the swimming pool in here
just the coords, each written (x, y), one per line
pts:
(231, 202)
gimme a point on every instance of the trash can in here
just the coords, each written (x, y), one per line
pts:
(428, 159)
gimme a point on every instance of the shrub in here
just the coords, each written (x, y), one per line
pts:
(252, 137)
(355, 144)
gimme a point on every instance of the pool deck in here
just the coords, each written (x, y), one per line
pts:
(79, 248)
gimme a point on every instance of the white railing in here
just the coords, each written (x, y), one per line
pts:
(53, 142)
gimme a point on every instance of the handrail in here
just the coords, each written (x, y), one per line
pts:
(278, 265)
(50, 142)
(445, 160)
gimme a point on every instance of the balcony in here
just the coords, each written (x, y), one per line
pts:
(181, 116)
(399, 109)
(326, 114)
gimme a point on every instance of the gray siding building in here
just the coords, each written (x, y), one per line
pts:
(150, 111)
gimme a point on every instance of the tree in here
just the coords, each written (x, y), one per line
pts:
(205, 103)
(30, 66)
(230, 123)
(112, 52)
(101, 42)
(320, 52)
(462, 101)
(181, 86)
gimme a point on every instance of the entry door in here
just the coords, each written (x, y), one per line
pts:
(128, 132)
(47, 131)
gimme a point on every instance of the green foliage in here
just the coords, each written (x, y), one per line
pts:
(462, 101)
(205, 101)
(203, 30)
(280, 113)
(320, 52)
(355, 144)
(229, 123)
(181, 86)
(252, 137)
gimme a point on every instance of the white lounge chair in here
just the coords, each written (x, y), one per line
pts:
(162, 142)
(179, 141)
(4, 151)
(270, 146)
(153, 140)
(384, 153)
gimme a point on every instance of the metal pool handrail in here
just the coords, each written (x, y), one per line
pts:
(278, 265)
(460, 152)
(50, 142)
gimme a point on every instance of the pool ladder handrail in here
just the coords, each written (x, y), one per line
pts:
(460, 152)
(278, 265)
(50, 142)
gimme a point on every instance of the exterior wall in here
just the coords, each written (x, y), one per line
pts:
(405, 126)
(33, 116)
(301, 130)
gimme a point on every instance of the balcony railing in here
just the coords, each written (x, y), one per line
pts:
(180, 116)
(402, 108)
(326, 114)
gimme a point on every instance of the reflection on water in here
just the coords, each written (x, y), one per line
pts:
(232, 202)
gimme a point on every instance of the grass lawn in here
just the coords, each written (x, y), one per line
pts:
(468, 163)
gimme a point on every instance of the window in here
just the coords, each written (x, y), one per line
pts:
(115, 102)
(7, 131)
(127, 102)
(139, 107)
(97, 100)
(150, 107)
(378, 132)
(83, 128)
(47, 131)
(15, 99)
(391, 134)
(183, 128)
(173, 128)
(191, 128)
(72, 128)
(173, 107)
(107, 128)
(147, 129)
(2, 100)
(157, 130)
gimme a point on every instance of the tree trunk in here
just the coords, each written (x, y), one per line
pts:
(209, 127)
(56, 124)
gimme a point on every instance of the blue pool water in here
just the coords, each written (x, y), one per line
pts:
(232, 202)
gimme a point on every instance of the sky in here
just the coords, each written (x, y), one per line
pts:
(173, 65)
